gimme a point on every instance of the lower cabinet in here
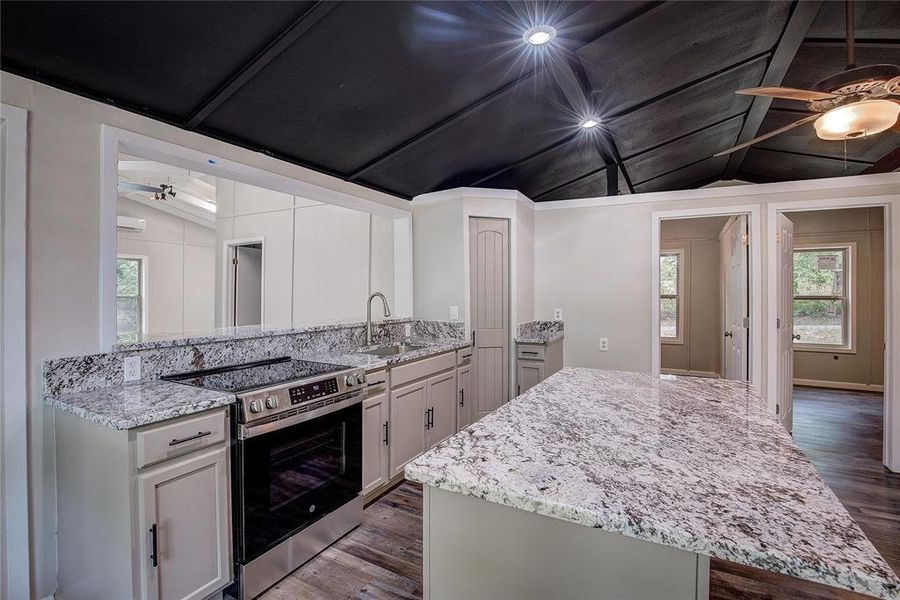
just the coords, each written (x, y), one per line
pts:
(529, 374)
(376, 442)
(407, 425)
(440, 396)
(185, 536)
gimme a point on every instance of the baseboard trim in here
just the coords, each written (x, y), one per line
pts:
(840, 385)
(688, 373)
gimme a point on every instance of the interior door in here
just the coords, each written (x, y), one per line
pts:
(785, 400)
(736, 312)
(248, 265)
(489, 303)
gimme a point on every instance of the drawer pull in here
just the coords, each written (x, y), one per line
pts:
(154, 559)
(197, 436)
(528, 352)
(374, 383)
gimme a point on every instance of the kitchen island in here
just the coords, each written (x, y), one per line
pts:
(608, 484)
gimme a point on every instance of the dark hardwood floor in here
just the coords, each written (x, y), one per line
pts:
(839, 431)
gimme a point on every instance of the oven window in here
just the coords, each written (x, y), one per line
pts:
(305, 465)
(290, 478)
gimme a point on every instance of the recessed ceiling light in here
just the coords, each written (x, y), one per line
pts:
(590, 123)
(539, 35)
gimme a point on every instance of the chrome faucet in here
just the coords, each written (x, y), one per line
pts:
(387, 313)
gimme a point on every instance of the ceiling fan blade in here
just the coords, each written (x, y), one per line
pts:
(139, 187)
(786, 93)
(770, 134)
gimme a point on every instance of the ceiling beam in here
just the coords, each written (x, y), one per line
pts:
(795, 30)
(886, 164)
(278, 45)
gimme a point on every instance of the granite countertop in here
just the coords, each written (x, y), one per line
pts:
(539, 332)
(696, 464)
(141, 403)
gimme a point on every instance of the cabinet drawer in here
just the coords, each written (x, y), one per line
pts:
(423, 368)
(464, 356)
(377, 382)
(530, 352)
(161, 442)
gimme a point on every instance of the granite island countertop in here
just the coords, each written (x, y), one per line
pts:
(152, 401)
(696, 464)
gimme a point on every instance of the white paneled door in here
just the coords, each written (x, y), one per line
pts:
(737, 307)
(785, 322)
(489, 287)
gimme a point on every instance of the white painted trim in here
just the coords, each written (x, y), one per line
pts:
(469, 192)
(226, 262)
(678, 340)
(14, 546)
(891, 204)
(756, 317)
(840, 385)
(723, 193)
(114, 140)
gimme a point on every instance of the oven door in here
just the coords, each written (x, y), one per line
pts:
(291, 477)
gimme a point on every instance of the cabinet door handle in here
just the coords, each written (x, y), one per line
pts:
(154, 559)
(197, 436)
(462, 397)
(386, 433)
(431, 417)
(518, 390)
(427, 411)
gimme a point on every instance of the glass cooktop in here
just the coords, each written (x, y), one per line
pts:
(251, 376)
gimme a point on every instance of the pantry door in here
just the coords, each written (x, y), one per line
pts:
(489, 306)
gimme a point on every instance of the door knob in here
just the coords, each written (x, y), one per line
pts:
(795, 336)
(728, 334)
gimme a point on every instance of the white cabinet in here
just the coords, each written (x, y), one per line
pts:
(407, 427)
(536, 362)
(375, 442)
(529, 373)
(440, 396)
(464, 400)
(184, 519)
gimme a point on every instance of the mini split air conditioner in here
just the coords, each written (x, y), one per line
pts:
(130, 224)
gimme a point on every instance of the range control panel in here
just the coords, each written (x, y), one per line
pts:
(311, 391)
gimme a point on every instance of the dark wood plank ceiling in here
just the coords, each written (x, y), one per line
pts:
(413, 97)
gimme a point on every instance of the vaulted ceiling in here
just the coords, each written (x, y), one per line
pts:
(413, 97)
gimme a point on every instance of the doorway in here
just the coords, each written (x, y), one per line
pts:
(489, 303)
(244, 284)
(704, 302)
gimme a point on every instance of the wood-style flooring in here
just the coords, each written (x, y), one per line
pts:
(839, 431)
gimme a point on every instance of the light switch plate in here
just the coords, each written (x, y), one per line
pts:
(557, 314)
(604, 344)
(454, 313)
(132, 368)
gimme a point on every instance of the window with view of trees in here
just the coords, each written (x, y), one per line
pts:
(670, 296)
(822, 296)
(129, 299)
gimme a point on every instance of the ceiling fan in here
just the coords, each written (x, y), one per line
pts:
(159, 193)
(857, 102)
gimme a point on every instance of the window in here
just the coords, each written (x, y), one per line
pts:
(129, 299)
(670, 291)
(822, 297)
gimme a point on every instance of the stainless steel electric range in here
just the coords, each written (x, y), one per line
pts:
(297, 462)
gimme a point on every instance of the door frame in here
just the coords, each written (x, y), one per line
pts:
(755, 283)
(227, 306)
(15, 565)
(891, 206)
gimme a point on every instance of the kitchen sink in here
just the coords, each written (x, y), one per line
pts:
(392, 350)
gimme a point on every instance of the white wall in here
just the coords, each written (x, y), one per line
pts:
(180, 268)
(64, 191)
(319, 260)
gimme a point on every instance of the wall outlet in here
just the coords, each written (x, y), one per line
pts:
(132, 368)
(407, 329)
(604, 344)
(557, 314)
(454, 313)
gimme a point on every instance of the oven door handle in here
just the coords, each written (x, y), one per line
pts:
(249, 431)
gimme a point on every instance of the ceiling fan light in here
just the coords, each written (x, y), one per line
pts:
(590, 123)
(539, 35)
(858, 119)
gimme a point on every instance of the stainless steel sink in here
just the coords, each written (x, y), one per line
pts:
(392, 350)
